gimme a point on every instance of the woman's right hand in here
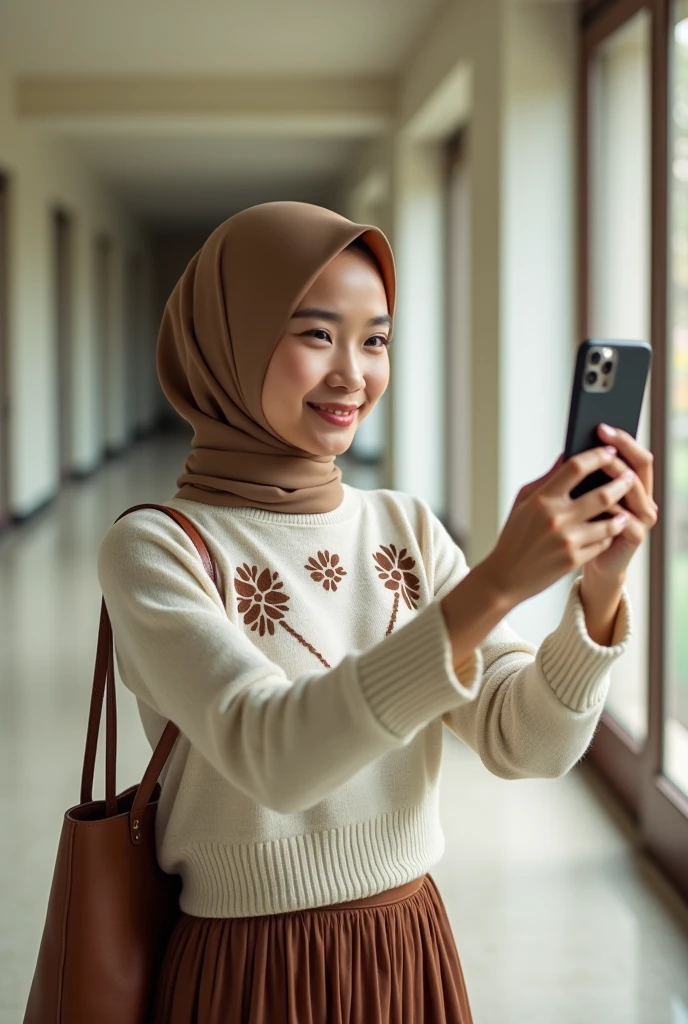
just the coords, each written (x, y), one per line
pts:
(547, 534)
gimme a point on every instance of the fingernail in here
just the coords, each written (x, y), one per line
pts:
(607, 430)
(610, 449)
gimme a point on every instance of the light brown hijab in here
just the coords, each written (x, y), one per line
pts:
(219, 329)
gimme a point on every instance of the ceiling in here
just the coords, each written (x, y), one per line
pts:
(304, 37)
(203, 179)
(189, 164)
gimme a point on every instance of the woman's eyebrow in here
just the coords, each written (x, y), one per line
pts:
(314, 313)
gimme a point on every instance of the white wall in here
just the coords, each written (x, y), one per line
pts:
(417, 380)
(537, 259)
(41, 175)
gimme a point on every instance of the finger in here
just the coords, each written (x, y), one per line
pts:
(593, 550)
(590, 551)
(607, 495)
(577, 468)
(652, 505)
(638, 458)
(636, 499)
(633, 532)
(596, 532)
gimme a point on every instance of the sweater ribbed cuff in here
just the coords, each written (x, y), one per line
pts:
(409, 678)
(574, 665)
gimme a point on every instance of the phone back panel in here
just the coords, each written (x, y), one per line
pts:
(620, 406)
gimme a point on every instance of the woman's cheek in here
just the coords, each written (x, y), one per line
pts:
(377, 381)
(305, 372)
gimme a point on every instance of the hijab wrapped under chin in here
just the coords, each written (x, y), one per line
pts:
(218, 333)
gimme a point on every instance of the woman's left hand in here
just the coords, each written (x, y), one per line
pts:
(608, 569)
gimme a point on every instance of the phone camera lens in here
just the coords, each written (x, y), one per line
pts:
(607, 368)
(595, 357)
(591, 377)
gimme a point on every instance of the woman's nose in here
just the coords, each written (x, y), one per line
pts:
(347, 371)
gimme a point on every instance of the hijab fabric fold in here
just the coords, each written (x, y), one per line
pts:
(219, 330)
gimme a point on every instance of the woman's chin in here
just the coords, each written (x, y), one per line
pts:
(328, 447)
(327, 442)
(332, 451)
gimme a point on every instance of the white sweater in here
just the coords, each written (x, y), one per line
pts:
(311, 695)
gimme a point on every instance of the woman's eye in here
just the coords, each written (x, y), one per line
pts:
(320, 334)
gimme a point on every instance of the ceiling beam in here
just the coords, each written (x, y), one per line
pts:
(336, 106)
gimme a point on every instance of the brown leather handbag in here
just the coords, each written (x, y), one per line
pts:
(111, 908)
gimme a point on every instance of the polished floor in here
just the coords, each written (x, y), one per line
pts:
(558, 919)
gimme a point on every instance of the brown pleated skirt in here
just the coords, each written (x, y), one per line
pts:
(386, 959)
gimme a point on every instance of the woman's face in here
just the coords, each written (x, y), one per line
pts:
(332, 353)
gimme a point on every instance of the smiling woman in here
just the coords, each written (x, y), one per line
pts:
(330, 366)
(230, 314)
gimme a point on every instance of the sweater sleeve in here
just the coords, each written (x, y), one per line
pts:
(537, 708)
(285, 743)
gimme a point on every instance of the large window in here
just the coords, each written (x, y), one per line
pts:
(619, 277)
(675, 760)
(634, 284)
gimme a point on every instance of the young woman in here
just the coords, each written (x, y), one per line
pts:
(300, 802)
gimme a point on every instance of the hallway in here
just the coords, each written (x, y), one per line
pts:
(557, 919)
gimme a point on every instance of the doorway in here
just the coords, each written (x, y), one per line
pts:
(62, 305)
(103, 310)
(133, 369)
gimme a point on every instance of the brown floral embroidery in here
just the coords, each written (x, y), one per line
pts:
(263, 603)
(395, 570)
(326, 570)
(262, 600)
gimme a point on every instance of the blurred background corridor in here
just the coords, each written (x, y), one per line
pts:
(529, 161)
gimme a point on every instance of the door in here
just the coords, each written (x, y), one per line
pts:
(5, 424)
(62, 311)
(103, 312)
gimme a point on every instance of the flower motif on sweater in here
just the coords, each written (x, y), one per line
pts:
(395, 571)
(325, 569)
(263, 603)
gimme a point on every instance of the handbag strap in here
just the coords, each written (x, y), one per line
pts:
(104, 687)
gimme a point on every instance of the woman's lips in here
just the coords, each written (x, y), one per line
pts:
(336, 420)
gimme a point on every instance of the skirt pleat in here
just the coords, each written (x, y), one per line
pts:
(390, 959)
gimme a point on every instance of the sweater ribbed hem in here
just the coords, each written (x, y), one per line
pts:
(312, 870)
(575, 666)
(410, 679)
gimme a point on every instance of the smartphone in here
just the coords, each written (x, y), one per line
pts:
(608, 387)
